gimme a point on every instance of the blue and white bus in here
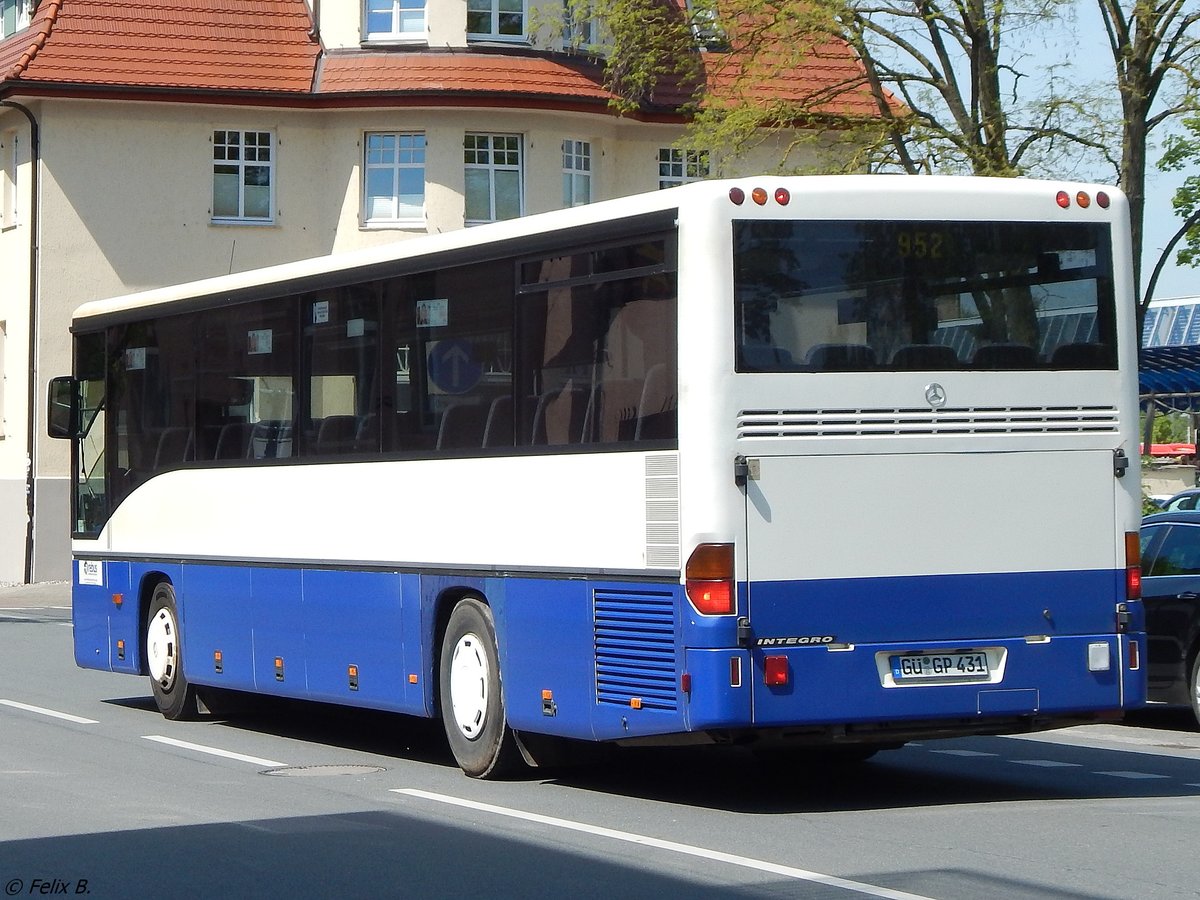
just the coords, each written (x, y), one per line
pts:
(829, 462)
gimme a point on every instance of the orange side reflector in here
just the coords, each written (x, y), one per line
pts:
(635, 702)
(412, 679)
(118, 599)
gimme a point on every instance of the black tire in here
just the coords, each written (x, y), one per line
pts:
(1194, 689)
(174, 696)
(471, 695)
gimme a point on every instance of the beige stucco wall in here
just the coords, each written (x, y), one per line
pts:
(125, 205)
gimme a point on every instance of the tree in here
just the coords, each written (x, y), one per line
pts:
(1181, 152)
(1156, 50)
(949, 85)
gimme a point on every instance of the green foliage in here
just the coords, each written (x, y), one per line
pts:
(1183, 152)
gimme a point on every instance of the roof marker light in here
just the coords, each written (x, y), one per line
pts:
(737, 195)
(759, 196)
(1064, 199)
(782, 196)
(1083, 200)
(1102, 199)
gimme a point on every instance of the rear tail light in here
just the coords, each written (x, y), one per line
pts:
(775, 671)
(709, 579)
(1133, 566)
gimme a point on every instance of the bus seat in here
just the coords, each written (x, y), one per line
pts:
(1082, 356)
(917, 357)
(461, 427)
(561, 416)
(616, 409)
(233, 441)
(656, 407)
(841, 357)
(498, 430)
(336, 434)
(175, 445)
(270, 440)
(1004, 356)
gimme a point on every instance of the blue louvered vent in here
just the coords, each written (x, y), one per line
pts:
(635, 648)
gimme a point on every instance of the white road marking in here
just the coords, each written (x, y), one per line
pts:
(1044, 763)
(41, 710)
(1134, 775)
(671, 846)
(963, 753)
(214, 751)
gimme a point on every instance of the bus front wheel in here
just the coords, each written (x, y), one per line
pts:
(174, 696)
(471, 697)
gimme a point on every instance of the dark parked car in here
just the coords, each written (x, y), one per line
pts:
(1171, 595)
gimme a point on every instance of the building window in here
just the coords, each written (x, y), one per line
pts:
(681, 166)
(493, 177)
(577, 23)
(8, 179)
(395, 19)
(14, 15)
(243, 175)
(394, 181)
(496, 20)
(577, 173)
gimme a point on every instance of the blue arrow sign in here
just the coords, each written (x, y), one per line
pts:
(452, 366)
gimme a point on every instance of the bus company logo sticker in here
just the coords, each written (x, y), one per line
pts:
(804, 640)
(91, 571)
(935, 395)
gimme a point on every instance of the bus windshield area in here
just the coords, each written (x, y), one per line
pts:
(856, 296)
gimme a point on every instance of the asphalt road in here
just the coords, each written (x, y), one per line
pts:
(102, 797)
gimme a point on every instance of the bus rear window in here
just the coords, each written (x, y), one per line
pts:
(853, 296)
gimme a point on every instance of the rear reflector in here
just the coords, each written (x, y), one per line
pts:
(775, 671)
(1135, 656)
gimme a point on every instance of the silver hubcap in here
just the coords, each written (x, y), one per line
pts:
(162, 648)
(469, 673)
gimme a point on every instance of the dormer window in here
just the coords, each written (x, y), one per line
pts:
(14, 15)
(394, 20)
(496, 20)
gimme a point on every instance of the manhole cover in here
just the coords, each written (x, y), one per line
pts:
(309, 771)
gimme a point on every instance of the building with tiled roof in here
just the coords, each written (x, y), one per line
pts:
(160, 141)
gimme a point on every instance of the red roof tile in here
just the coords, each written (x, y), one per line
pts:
(239, 46)
(244, 45)
(465, 72)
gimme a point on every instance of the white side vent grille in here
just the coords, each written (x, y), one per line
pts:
(812, 423)
(662, 512)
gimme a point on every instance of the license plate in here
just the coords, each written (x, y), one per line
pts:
(939, 666)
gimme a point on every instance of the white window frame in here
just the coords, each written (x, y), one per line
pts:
(498, 153)
(493, 34)
(408, 153)
(222, 149)
(8, 179)
(21, 12)
(404, 26)
(677, 166)
(578, 28)
(576, 172)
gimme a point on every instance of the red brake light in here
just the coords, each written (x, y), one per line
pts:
(709, 579)
(1133, 566)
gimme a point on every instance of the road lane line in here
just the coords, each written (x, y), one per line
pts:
(1134, 775)
(41, 710)
(686, 849)
(213, 751)
(1044, 763)
(963, 753)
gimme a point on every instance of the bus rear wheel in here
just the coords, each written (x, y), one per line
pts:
(469, 689)
(174, 696)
